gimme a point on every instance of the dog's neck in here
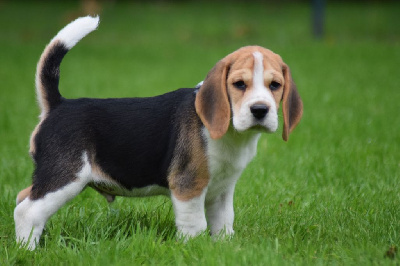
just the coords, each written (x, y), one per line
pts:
(234, 148)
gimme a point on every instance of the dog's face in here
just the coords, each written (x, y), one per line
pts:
(255, 87)
(248, 86)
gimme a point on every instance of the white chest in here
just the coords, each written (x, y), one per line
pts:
(228, 157)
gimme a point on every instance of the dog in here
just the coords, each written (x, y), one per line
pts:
(191, 144)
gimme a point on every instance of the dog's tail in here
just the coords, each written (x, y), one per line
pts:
(48, 68)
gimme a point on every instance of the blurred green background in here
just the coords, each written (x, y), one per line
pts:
(331, 194)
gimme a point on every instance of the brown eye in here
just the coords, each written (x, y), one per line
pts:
(240, 85)
(274, 85)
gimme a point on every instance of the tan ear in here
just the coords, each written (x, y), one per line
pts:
(212, 103)
(292, 106)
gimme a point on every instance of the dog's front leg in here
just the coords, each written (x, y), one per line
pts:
(190, 218)
(220, 213)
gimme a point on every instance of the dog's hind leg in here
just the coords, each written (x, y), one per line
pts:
(32, 213)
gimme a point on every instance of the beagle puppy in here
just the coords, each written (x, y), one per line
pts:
(190, 144)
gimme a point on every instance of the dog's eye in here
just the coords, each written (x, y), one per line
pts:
(240, 85)
(274, 85)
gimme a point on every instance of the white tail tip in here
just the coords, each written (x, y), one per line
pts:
(76, 30)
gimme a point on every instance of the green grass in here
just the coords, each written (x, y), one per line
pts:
(331, 195)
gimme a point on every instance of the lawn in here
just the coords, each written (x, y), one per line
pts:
(331, 195)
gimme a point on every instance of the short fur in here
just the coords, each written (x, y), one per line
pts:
(189, 144)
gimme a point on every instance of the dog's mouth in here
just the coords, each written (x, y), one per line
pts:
(261, 128)
(267, 124)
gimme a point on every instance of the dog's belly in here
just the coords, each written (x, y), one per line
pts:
(117, 190)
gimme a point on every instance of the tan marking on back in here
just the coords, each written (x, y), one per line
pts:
(23, 194)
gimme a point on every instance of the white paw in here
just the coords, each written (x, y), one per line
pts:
(185, 232)
(224, 233)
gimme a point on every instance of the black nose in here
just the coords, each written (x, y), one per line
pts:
(259, 111)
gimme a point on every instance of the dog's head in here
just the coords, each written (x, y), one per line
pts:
(248, 86)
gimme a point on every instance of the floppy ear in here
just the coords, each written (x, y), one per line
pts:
(212, 103)
(292, 106)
